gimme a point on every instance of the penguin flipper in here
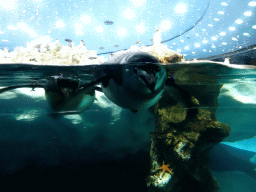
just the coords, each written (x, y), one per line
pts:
(104, 80)
(21, 86)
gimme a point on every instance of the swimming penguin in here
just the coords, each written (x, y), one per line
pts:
(131, 79)
(137, 81)
(66, 96)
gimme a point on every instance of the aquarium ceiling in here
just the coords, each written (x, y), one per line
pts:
(195, 28)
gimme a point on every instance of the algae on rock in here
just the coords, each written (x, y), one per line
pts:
(181, 142)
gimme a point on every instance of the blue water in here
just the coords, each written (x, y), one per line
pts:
(107, 147)
(107, 142)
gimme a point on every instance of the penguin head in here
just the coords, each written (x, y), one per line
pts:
(147, 75)
(138, 83)
(64, 96)
(145, 68)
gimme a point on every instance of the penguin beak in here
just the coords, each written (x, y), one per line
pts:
(148, 77)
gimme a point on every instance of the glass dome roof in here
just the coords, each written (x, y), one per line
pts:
(196, 29)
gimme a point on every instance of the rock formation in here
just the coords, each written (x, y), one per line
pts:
(179, 148)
